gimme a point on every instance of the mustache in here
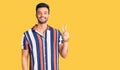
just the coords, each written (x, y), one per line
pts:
(42, 17)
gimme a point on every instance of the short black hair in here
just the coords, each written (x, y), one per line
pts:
(43, 5)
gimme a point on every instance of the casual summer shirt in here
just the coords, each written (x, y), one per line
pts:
(43, 49)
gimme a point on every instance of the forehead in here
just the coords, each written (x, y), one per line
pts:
(42, 9)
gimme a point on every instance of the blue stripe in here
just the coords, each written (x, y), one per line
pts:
(52, 48)
(24, 42)
(46, 50)
(56, 48)
(29, 39)
(59, 34)
(30, 42)
(37, 48)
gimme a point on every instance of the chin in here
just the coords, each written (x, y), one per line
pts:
(42, 22)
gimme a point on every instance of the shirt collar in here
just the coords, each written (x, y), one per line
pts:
(34, 28)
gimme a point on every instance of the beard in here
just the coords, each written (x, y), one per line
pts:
(42, 22)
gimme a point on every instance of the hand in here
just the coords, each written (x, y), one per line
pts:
(65, 34)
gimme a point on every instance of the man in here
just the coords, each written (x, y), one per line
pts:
(43, 43)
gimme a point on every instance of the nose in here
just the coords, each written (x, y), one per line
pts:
(42, 14)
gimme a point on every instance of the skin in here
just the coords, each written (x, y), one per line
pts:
(42, 16)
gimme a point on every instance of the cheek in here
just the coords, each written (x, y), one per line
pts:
(47, 16)
(38, 15)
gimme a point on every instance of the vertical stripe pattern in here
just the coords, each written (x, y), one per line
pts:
(34, 49)
(43, 49)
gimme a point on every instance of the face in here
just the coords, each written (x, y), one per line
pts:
(42, 15)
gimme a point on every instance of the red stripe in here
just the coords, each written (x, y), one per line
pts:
(54, 49)
(26, 44)
(41, 52)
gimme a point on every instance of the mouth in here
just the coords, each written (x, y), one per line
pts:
(42, 18)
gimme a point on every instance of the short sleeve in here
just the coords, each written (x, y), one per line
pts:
(60, 38)
(24, 42)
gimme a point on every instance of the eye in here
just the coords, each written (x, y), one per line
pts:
(39, 13)
(45, 12)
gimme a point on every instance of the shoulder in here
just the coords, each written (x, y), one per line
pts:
(55, 31)
(28, 30)
(53, 28)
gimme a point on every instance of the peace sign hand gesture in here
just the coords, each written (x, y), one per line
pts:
(65, 34)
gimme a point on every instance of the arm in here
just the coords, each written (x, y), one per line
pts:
(63, 49)
(25, 52)
(25, 59)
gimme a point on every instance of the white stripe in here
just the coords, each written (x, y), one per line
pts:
(48, 50)
(60, 39)
(34, 49)
(28, 41)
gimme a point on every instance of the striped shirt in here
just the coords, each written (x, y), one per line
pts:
(43, 49)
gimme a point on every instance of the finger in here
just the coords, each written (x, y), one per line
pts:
(64, 28)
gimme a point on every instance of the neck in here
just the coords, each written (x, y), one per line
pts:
(42, 27)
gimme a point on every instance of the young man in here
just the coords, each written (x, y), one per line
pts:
(43, 43)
